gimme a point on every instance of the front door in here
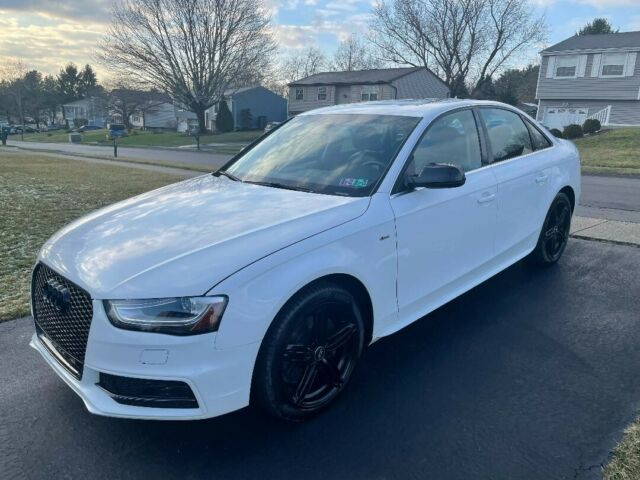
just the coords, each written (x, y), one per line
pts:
(343, 94)
(444, 236)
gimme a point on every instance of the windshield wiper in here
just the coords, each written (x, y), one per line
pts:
(227, 174)
(280, 185)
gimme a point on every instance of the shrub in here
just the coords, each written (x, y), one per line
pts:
(572, 131)
(224, 119)
(591, 125)
(556, 133)
(49, 134)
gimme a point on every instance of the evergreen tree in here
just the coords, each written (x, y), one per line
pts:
(87, 81)
(597, 27)
(68, 83)
(224, 119)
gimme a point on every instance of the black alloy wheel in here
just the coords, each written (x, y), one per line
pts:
(555, 232)
(310, 352)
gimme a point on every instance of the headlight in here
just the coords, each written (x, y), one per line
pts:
(174, 316)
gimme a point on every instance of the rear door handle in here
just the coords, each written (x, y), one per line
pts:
(486, 198)
(542, 178)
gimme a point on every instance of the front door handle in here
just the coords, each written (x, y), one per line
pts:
(542, 178)
(486, 198)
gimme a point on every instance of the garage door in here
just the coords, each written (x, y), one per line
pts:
(560, 117)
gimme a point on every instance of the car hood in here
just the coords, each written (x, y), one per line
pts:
(183, 239)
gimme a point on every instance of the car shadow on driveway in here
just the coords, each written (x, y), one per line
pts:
(533, 374)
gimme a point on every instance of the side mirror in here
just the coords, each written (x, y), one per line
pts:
(438, 175)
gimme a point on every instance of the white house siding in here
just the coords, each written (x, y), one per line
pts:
(622, 112)
(420, 84)
(310, 100)
(385, 92)
(598, 88)
(161, 116)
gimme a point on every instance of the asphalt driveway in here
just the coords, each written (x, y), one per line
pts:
(532, 375)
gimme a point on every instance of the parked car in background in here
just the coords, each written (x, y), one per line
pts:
(265, 281)
(270, 126)
(24, 129)
(88, 128)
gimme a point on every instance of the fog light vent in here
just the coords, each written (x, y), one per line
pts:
(142, 392)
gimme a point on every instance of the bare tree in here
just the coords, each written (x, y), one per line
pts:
(13, 73)
(294, 66)
(126, 99)
(193, 50)
(302, 64)
(354, 54)
(466, 42)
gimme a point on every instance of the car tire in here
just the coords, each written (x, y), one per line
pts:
(554, 234)
(309, 352)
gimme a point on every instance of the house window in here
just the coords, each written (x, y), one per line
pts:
(299, 93)
(322, 93)
(566, 66)
(613, 64)
(369, 93)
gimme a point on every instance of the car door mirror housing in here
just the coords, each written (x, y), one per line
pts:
(438, 175)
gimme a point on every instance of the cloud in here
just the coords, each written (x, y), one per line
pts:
(48, 44)
(609, 3)
(295, 36)
(593, 3)
(96, 10)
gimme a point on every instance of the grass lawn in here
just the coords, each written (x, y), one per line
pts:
(625, 463)
(39, 195)
(231, 142)
(613, 151)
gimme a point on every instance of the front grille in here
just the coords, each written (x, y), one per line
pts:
(141, 392)
(62, 312)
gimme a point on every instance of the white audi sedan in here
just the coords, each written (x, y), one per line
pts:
(264, 281)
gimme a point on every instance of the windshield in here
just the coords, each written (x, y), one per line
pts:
(337, 154)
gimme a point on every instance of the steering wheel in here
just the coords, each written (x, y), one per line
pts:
(380, 166)
(367, 158)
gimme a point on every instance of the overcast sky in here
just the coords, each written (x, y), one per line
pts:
(47, 34)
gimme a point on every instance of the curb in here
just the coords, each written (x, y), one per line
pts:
(603, 230)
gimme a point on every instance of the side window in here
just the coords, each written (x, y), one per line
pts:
(451, 139)
(299, 94)
(540, 142)
(508, 135)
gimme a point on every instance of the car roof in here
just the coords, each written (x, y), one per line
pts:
(428, 107)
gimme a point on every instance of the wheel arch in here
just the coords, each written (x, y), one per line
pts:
(350, 283)
(568, 191)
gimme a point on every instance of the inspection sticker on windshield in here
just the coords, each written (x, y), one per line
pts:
(354, 182)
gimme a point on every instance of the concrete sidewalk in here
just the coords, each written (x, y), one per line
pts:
(606, 230)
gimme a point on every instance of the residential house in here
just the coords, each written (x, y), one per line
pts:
(251, 108)
(333, 88)
(185, 120)
(156, 111)
(591, 76)
(90, 111)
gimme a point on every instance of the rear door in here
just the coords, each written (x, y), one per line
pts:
(522, 171)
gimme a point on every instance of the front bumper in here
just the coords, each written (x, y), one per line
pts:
(219, 378)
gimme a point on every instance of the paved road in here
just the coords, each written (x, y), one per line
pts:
(175, 156)
(615, 198)
(532, 375)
